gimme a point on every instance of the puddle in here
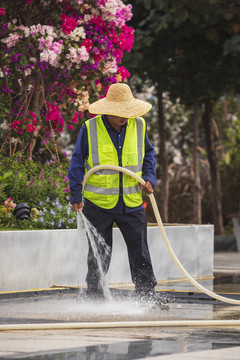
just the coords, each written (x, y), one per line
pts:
(227, 283)
(141, 349)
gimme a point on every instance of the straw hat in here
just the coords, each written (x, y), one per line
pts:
(120, 102)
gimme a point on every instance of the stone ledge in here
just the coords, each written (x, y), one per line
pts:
(39, 259)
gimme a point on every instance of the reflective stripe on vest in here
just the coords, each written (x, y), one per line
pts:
(105, 183)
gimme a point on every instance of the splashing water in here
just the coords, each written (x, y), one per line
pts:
(97, 242)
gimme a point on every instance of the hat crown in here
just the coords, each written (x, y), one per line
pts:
(119, 93)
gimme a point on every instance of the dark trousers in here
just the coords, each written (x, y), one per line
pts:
(133, 227)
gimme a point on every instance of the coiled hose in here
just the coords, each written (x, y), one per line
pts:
(162, 230)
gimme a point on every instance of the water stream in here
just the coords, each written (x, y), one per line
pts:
(100, 249)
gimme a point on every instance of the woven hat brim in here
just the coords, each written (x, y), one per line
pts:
(127, 109)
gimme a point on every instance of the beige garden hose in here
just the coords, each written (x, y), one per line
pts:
(162, 230)
(135, 324)
(119, 324)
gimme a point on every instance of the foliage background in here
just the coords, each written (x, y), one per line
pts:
(185, 53)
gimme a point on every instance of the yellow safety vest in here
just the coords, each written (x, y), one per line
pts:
(102, 187)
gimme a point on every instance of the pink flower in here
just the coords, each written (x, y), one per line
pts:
(33, 115)
(66, 190)
(83, 54)
(54, 116)
(126, 38)
(70, 127)
(86, 47)
(123, 72)
(75, 117)
(9, 204)
(88, 44)
(106, 90)
(29, 128)
(68, 24)
(98, 21)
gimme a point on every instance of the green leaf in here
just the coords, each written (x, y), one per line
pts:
(235, 40)
(194, 17)
(181, 15)
(227, 158)
(228, 15)
(212, 35)
(147, 4)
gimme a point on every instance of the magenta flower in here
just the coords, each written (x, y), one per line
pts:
(9, 205)
(123, 72)
(68, 24)
(70, 127)
(82, 44)
(75, 117)
(66, 190)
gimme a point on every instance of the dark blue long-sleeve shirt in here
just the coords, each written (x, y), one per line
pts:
(76, 170)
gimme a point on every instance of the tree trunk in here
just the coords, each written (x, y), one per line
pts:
(37, 104)
(214, 171)
(163, 157)
(197, 194)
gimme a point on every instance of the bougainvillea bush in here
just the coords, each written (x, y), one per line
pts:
(56, 56)
(43, 187)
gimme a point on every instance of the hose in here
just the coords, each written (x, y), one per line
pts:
(119, 324)
(162, 230)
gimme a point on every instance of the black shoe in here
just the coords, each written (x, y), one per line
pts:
(152, 297)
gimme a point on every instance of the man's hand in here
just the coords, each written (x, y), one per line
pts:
(77, 206)
(147, 187)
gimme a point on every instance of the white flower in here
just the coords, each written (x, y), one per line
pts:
(44, 55)
(56, 47)
(84, 55)
(52, 57)
(77, 33)
(48, 41)
(15, 140)
(4, 126)
(26, 31)
(27, 72)
(110, 67)
(12, 39)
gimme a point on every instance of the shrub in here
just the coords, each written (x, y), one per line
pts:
(44, 187)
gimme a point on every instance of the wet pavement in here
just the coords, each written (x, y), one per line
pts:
(185, 303)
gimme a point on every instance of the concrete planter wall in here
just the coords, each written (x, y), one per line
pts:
(40, 259)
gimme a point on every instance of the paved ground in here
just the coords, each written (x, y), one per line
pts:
(158, 343)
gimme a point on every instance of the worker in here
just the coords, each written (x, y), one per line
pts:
(116, 136)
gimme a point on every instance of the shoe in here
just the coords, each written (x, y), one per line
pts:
(150, 296)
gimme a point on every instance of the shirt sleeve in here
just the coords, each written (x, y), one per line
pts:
(149, 163)
(76, 169)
